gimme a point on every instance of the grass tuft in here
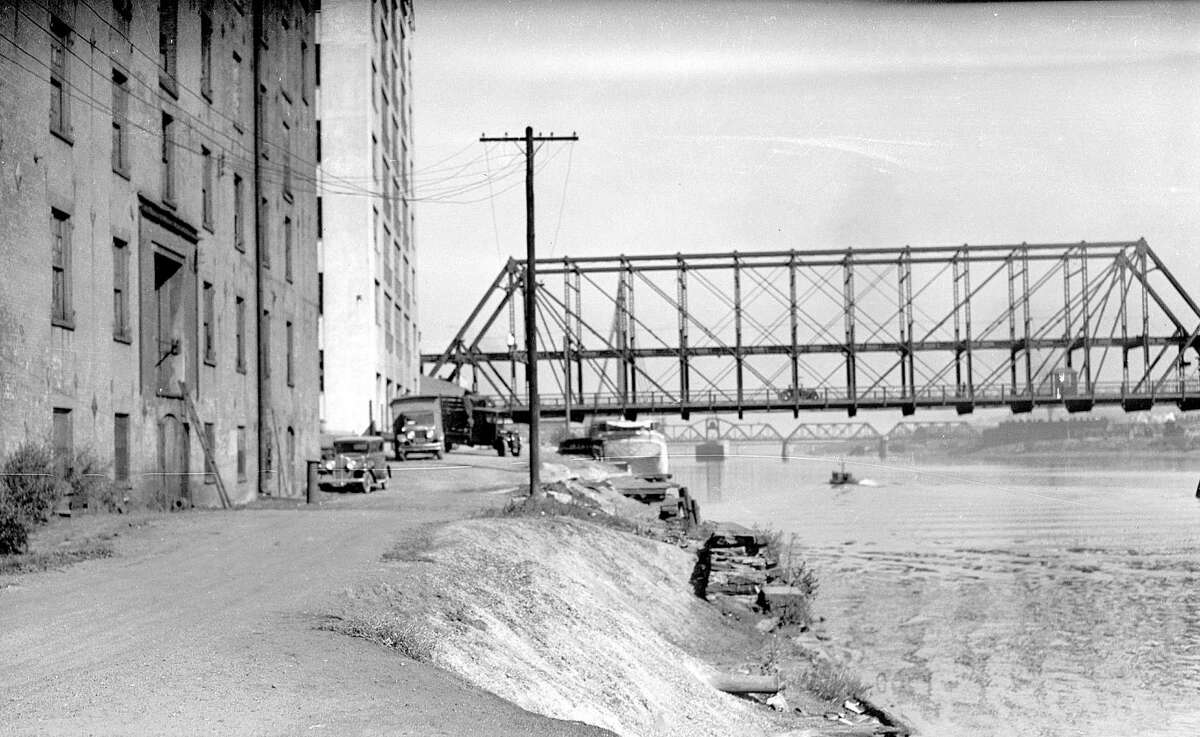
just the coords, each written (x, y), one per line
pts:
(548, 506)
(832, 682)
(54, 559)
(387, 629)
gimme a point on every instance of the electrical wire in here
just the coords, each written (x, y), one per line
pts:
(562, 202)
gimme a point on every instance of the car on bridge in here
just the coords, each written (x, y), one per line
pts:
(788, 394)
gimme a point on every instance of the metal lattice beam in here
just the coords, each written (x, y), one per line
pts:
(950, 326)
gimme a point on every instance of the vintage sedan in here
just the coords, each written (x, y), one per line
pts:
(358, 462)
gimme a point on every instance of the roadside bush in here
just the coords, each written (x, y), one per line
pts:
(794, 572)
(387, 629)
(14, 535)
(29, 482)
(90, 484)
(548, 506)
(832, 682)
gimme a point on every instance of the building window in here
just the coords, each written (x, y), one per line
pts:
(60, 99)
(291, 448)
(396, 259)
(374, 159)
(121, 448)
(304, 71)
(61, 313)
(264, 245)
(320, 293)
(210, 440)
(286, 155)
(387, 321)
(291, 379)
(206, 56)
(168, 159)
(387, 254)
(168, 20)
(320, 218)
(122, 15)
(241, 453)
(120, 253)
(210, 341)
(239, 316)
(235, 91)
(375, 228)
(320, 371)
(206, 188)
(318, 146)
(265, 343)
(239, 220)
(120, 111)
(63, 439)
(287, 248)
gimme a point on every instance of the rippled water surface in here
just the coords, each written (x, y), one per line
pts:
(1022, 599)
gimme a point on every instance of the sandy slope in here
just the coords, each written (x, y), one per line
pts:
(569, 619)
(205, 624)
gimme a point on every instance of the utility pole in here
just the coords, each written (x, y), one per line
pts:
(531, 358)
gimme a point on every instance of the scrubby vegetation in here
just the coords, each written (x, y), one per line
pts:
(90, 484)
(548, 506)
(793, 571)
(45, 561)
(388, 629)
(832, 682)
(32, 481)
(28, 489)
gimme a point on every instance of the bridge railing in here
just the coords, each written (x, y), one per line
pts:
(883, 397)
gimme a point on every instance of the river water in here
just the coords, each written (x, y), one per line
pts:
(1030, 598)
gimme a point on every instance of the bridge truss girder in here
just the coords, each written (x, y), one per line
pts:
(951, 326)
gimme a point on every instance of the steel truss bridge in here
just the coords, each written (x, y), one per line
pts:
(715, 428)
(1017, 326)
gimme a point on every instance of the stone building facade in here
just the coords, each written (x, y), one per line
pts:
(158, 230)
(369, 334)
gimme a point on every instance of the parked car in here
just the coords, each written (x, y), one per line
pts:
(357, 461)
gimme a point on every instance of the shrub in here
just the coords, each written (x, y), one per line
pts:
(831, 681)
(387, 629)
(548, 506)
(14, 535)
(30, 482)
(90, 484)
(794, 572)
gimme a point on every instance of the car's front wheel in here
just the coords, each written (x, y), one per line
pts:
(368, 483)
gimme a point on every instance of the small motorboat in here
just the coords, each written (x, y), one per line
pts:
(842, 477)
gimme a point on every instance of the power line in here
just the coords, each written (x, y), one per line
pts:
(492, 202)
(562, 201)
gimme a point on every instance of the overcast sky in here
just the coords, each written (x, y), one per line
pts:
(714, 126)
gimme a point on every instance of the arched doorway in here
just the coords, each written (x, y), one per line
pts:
(173, 462)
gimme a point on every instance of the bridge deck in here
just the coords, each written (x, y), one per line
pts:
(1186, 396)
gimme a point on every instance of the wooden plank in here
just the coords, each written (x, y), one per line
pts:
(744, 683)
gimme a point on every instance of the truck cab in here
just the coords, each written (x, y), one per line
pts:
(417, 428)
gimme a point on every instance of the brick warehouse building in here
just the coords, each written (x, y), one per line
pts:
(158, 234)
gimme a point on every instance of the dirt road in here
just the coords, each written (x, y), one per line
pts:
(205, 623)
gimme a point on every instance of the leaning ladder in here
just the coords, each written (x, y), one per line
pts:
(210, 459)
